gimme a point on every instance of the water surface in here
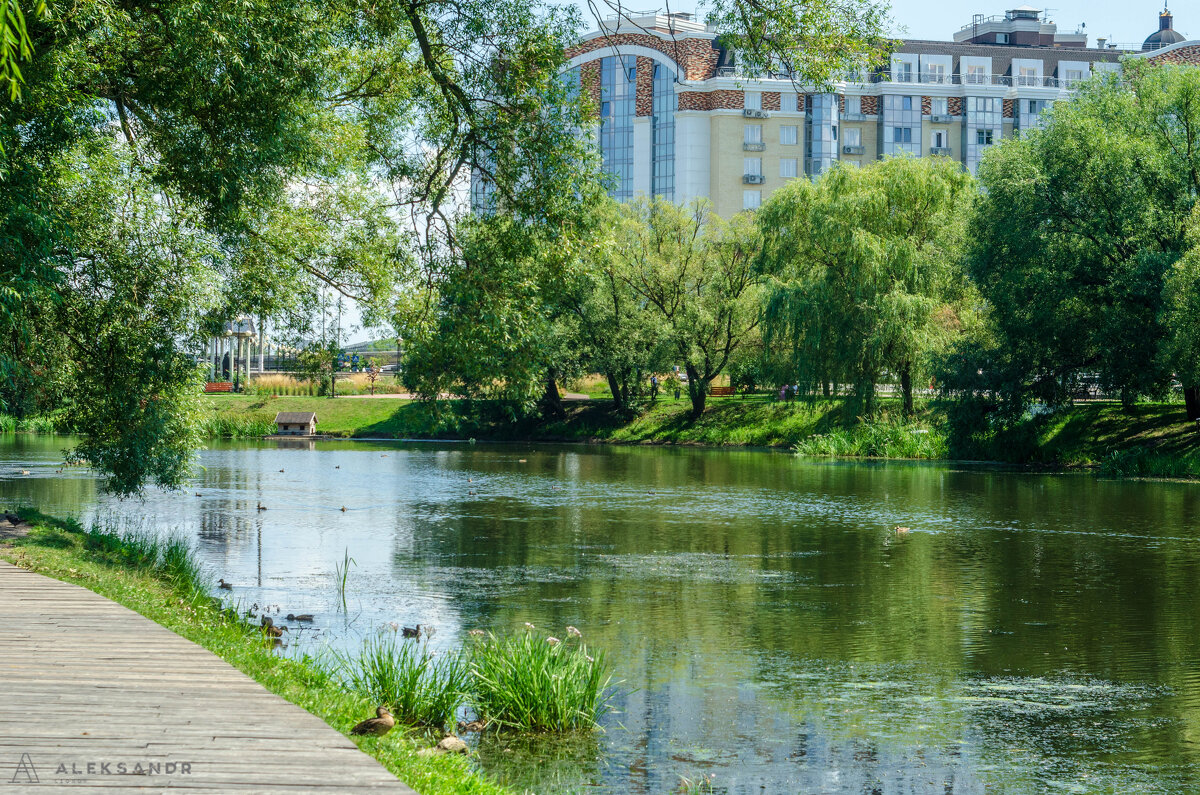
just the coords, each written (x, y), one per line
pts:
(1030, 633)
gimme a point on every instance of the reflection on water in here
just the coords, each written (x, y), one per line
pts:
(1031, 633)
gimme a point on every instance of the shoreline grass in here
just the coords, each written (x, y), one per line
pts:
(159, 579)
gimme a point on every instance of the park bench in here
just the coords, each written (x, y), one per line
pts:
(722, 391)
(218, 386)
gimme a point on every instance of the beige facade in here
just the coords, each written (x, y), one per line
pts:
(934, 98)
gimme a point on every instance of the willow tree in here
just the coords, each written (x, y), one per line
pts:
(864, 272)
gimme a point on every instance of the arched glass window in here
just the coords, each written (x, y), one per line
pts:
(618, 89)
(663, 155)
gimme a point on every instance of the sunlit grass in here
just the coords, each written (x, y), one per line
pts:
(533, 682)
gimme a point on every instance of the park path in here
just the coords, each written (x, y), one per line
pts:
(88, 686)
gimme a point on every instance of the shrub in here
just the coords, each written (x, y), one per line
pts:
(876, 440)
(1145, 462)
(533, 683)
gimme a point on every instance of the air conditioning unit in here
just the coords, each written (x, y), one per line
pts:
(753, 179)
(850, 149)
(940, 118)
(753, 113)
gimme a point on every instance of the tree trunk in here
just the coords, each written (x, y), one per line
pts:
(552, 400)
(1191, 399)
(906, 389)
(697, 391)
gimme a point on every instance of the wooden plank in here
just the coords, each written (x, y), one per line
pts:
(87, 680)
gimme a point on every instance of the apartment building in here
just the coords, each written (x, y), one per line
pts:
(679, 119)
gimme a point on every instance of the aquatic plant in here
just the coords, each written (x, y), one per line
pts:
(419, 688)
(341, 572)
(234, 427)
(703, 785)
(534, 683)
(40, 424)
(1145, 462)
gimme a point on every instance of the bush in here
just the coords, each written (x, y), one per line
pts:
(1144, 462)
(533, 683)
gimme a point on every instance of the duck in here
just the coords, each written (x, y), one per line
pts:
(270, 630)
(343, 509)
(411, 632)
(281, 470)
(339, 466)
(299, 617)
(198, 494)
(472, 726)
(224, 586)
(377, 726)
(901, 530)
(262, 507)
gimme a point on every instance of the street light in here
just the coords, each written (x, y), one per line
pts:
(241, 328)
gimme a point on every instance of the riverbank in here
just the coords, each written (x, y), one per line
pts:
(165, 587)
(1143, 440)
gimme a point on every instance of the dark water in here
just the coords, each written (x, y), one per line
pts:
(1032, 633)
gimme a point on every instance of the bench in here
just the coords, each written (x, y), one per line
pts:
(722, 391)
(218, 386)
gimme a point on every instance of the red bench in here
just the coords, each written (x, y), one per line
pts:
(218, 386)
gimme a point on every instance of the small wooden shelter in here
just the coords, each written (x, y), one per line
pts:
(296, 423)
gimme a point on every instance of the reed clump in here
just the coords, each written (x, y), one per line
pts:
(530, 682)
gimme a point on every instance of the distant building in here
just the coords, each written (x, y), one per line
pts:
(296, 423)
(679, 118)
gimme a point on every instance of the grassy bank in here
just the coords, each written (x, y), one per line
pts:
(161, 580)
(1146, 439)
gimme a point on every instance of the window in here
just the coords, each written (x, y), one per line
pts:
(751, 199)
(1029, 113)
(787, 167)
(1028, 76)
(983, 137)
(820, 134)
(902, 71)
(618, 81)
(853, 105)
(852, 136)
(901, 117)
(1002, 38)
(939, 106)
(902, 135)
(787, 135)
(753, 134)
(906, 103)
(752, 166)
(787, 102)
(753, 100)
(976, 74)
(662, 134)
(1074, 76)
(939, 139)
(936, 73)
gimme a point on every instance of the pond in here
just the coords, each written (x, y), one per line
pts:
(1030, 633)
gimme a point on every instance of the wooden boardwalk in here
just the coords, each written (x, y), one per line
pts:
(89, 689)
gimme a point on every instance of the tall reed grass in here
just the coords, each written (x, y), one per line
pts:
(421, 689)
(40, 424)
(169, 558)
(1145, 462)
(534, 683)
(226, 427)
(348, 384)
(876, 440)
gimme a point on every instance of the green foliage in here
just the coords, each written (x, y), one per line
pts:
(1146, 462)
(879, 439)
(224, 426)
(1077, 232)
(865, 276)
(419, 688)
(534, 683)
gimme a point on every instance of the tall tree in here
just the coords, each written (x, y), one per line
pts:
(696, 274)
(865, 271)
(1078, 226)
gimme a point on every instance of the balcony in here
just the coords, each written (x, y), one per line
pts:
(753, 179)
(940, 150)
(941, 118)
(851, 149)
(857, 117)
(754, 113)
(750, 147)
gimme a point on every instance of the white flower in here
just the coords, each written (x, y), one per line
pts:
(588, 657)
(574, 633)
(553, 641)
(529, 626)
(477, 633)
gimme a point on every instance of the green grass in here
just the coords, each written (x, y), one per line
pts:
(881, 439)
(40, 424)
(158, 578)
(419, 688)
(1146, 462)
(531, 682)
